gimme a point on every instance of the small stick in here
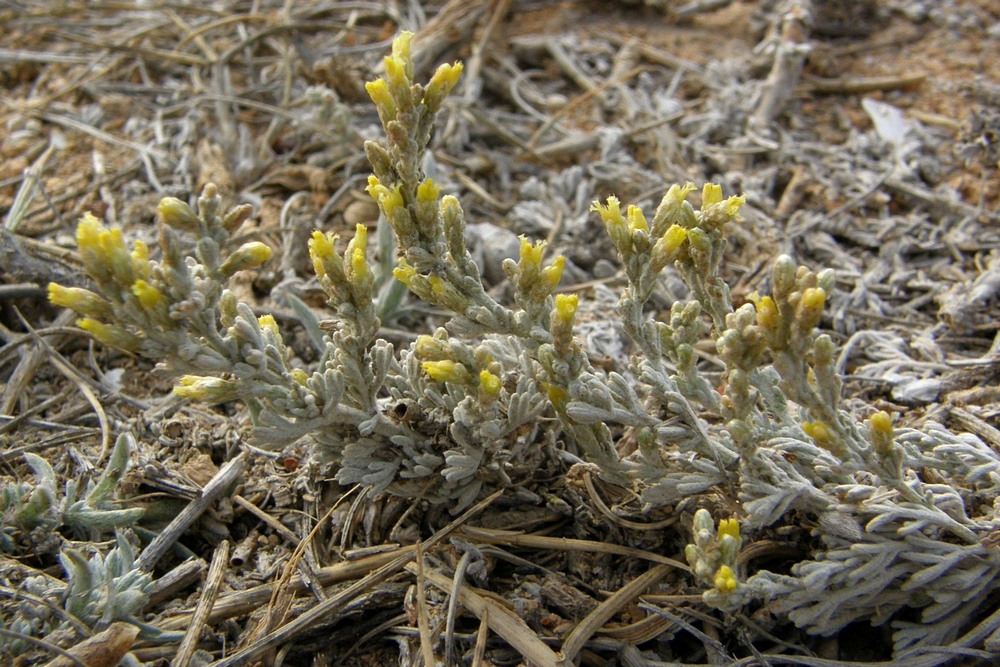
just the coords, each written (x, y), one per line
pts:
(789, 58)
(213, 581)
(179, 578)
(212, 491)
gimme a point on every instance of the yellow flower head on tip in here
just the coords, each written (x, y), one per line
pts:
(299, 376)
(207, 389)
(677, 194)
(110, 334)
(140, 259)
(730, 527)
(427, 191)
(177, 213)
(80, 300)
(148, 295)
(399, 66)
(446, 370)
(88, 231)
(247, 256)
(711, 193)
(443, 81)
(767, 311)
(673, 238)
(379, 92)
(552, 273)
(818, 431)
(437, 283)
(558, 396)
(725, 579)
(60, 296)
(359, 263)
(566, 305)
(389, 199)
(531, 253)
(375, 187)
(733, 205)
(360, 240)
(267, 323)
(489, 384)
(636, 220)
(321, 248)
(881, 422)
(430, 348)
(813, 298)
(401, 45)
(404, 273)
(610, 212)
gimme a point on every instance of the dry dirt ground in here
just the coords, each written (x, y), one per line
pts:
(874, 152)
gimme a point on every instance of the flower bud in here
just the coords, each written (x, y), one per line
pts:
(178, 215)
(206, 389)
(446, 370)
(442, 82)
(489, 385)
(110, 335)
(79, 300)
(724, 579)
(247, 256)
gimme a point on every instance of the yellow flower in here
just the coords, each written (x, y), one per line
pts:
(427, 191)
(88, 231)
(446, 370)
(733, 205)
(566, 305)
(636, 220)
(431, 348)
(299, 376)
(489, 384)
(206, 389)
(730, 527)
(110, 334)
(140, 260)
(404, 273)
(442, 82)
(767, 311)
(558, 396)
(79, 300)
(267, 323)
(389, 199)
(321, 251)
(178, 214)
(711, 193)
(149, 296)
(724, 579)
(531, 253)
(551, 274)
(247, 256)
(881, 422)
(818, 431)
(379, 92)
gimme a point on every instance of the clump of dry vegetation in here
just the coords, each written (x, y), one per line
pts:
(490, 451)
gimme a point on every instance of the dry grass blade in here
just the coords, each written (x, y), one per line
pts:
(514, 539)
(502, 621)
(601, 614)
(209, 593)
(342, 597)
(240, 603)
(423, 614)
